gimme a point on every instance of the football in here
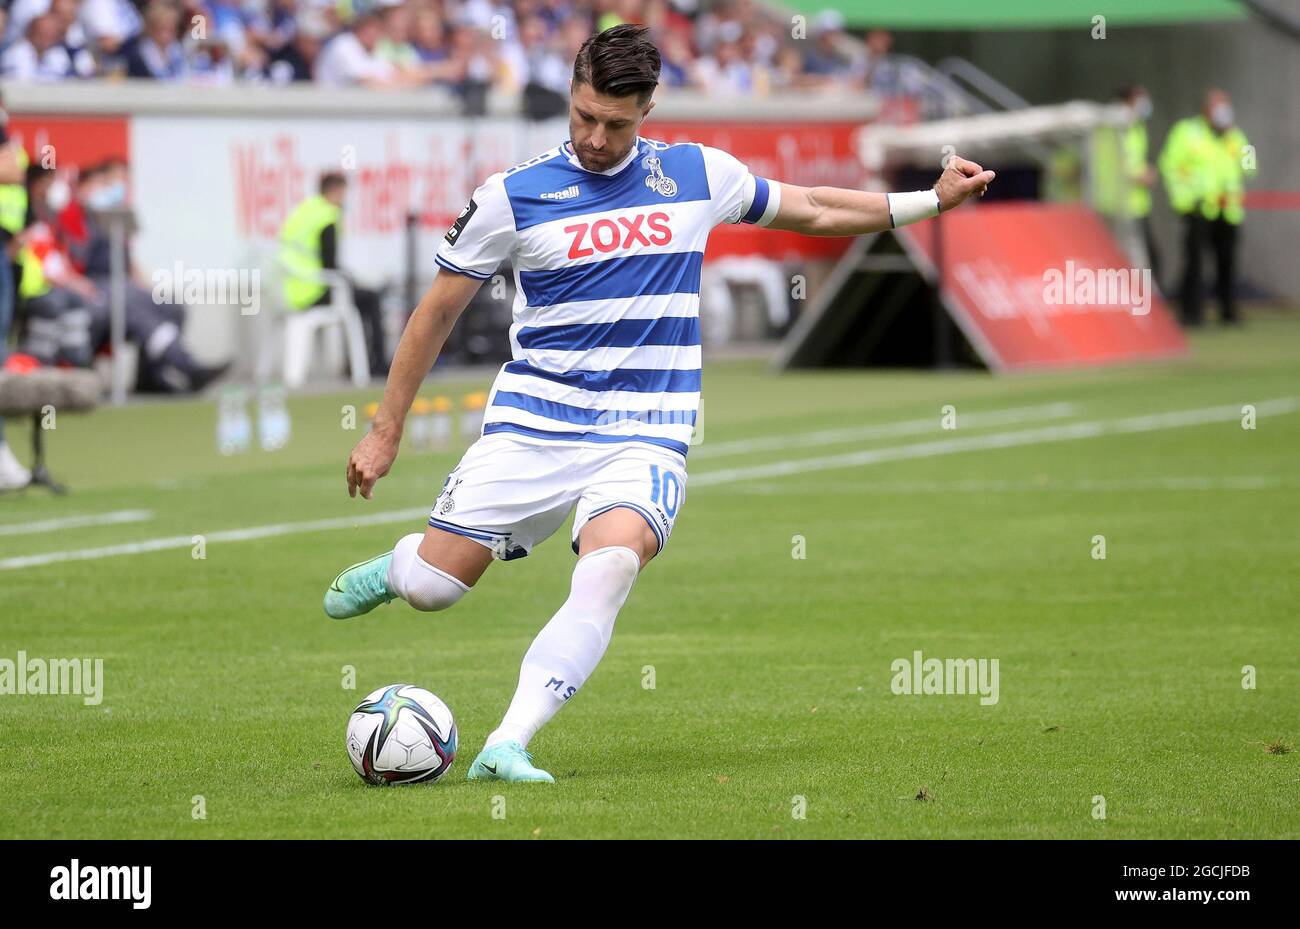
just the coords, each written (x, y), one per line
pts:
(401, 734)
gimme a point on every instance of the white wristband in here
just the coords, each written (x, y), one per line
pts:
(912, 207)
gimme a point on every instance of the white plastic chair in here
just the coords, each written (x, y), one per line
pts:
(340, 324)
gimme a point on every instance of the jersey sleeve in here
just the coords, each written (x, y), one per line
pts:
(483, 235)
(738, 196)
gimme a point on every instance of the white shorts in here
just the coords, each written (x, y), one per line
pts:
(510, 494)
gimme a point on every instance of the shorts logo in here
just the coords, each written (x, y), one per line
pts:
(448, 504)
(664, 186)
(453, 234)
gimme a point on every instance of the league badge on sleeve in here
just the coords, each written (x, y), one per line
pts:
(453, 234)
(664, 186)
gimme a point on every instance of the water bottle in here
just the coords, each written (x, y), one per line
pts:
(471, 414)
(234, 429)
(417, 430)
(440, 423)
(273, 424)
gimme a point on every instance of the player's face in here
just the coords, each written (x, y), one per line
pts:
(603, 129)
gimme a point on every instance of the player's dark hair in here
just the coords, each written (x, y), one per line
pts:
(332, 180)
(619, 62)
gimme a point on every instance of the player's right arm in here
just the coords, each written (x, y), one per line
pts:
(423, 338)
(482, 236)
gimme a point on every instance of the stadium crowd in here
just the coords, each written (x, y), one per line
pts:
(728, 46)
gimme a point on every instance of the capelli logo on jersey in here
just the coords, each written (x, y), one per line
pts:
(607, 235)
(567, 193)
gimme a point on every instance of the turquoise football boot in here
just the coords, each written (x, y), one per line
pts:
(360, 588)
(507, 761)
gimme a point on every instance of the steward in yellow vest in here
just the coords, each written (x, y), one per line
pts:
(309, 244)
(302, 250)
(1204, 163)
(1138, 170)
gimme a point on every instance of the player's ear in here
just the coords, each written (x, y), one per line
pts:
(646, 112)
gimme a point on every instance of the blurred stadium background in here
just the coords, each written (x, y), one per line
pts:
(165, 144)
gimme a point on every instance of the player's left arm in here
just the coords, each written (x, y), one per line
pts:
(838, 211)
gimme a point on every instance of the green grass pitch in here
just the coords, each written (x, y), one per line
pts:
(1119, 678)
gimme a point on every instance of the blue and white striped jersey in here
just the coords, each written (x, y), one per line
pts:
(606, 333)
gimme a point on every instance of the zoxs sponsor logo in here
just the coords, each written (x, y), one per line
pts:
(607, 235)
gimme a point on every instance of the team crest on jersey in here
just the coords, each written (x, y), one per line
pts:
(657, 180)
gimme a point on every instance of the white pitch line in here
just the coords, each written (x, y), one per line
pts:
(885, 431)
(77, 522)
(1082, 430)
(1061, 433)
(866, 486)
(227, 535)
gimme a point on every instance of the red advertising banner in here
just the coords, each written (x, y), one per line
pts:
(808, 154)
(68, 141)
(1036, 285)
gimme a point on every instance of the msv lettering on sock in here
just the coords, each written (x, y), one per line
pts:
(557, 685)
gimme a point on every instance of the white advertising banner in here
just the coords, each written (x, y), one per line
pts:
(212, 192)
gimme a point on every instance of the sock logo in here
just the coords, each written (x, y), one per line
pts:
(555, 684)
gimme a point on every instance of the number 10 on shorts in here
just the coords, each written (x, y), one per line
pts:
(665, 490)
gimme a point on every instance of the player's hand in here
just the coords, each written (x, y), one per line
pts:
(961, 180)
(370, 461)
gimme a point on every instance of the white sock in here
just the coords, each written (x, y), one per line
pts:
(419, 583)
(567, 650)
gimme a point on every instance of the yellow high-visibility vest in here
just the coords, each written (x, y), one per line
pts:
(300, 250)
(1135, 163)
(34, 282)
(1206, 170)
(13, 200)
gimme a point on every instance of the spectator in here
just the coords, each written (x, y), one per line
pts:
(827, 63)
(68, 312)
(727, 70)
(546, 71)
(109, 25)
(351, 59)
(156, 53)
(42, 55)
(295, 60)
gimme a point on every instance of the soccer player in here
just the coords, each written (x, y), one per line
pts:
(606, 233)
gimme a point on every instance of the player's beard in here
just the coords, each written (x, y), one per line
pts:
(599, 161)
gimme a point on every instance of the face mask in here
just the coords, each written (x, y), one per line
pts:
(100, 198)
(58, 195)
(1143, 108)
(1221, 115)
(108, 197)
